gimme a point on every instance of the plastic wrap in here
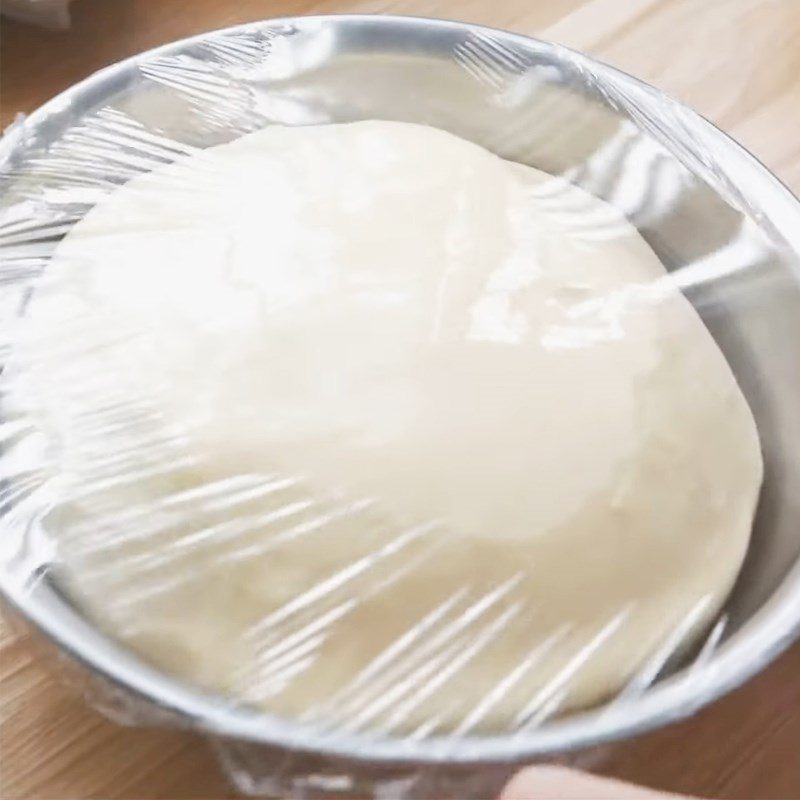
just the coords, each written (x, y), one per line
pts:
(108, 503)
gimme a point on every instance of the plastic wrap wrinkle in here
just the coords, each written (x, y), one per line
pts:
(149, 501)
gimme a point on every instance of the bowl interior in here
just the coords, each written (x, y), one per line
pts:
(714, 216)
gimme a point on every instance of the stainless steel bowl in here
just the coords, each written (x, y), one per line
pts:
(713, 214)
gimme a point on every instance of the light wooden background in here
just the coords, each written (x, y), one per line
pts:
(736, 61)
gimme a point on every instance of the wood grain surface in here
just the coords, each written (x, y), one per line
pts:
(736, 61)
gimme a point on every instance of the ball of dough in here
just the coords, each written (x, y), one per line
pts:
(364, 425)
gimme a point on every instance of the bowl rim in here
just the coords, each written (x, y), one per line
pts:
(666, 702)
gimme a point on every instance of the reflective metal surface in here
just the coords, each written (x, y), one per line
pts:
(712, 213)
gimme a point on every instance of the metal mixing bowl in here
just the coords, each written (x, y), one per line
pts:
(713, 214)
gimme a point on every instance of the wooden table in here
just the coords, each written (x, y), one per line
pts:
(736, 61)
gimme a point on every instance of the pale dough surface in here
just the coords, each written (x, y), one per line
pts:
(364, 424)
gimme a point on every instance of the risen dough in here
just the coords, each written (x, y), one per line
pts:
(364, 424)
